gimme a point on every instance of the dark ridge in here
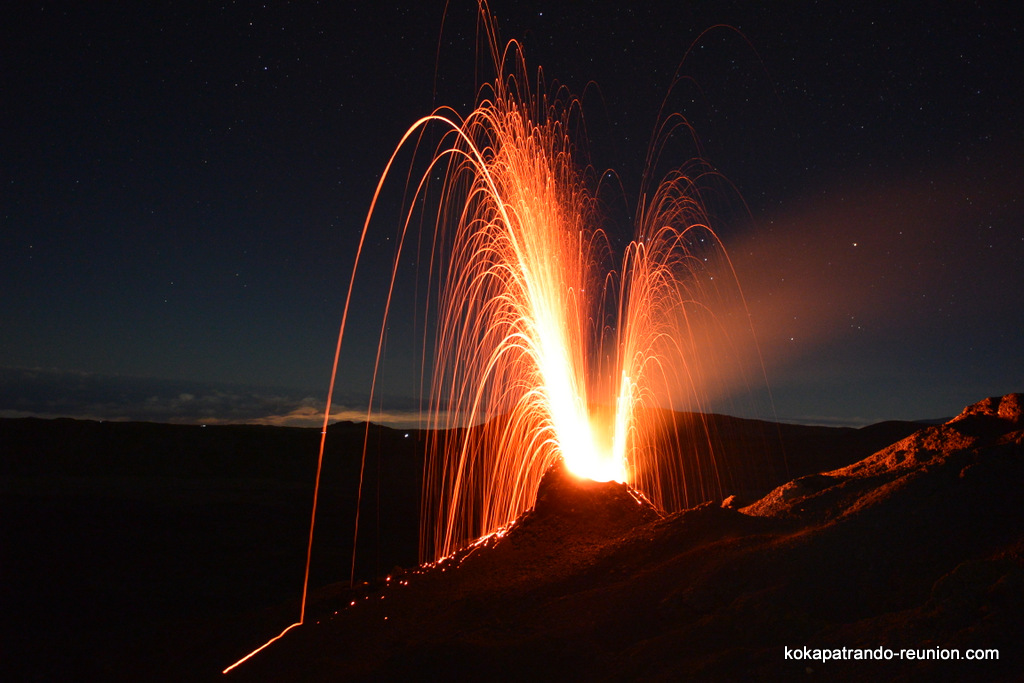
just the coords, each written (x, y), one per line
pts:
(919, 546)
(128, 544)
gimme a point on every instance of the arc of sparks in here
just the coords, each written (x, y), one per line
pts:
(541, 350)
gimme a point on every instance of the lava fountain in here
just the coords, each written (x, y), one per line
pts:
(539, 349)
(537, 346)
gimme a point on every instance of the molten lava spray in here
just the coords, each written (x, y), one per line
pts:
(538, 348)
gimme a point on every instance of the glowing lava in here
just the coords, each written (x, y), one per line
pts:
(536, 346)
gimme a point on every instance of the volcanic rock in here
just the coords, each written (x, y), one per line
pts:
(959, 444)
(147, 551)
(572, 521)
(591, 508)
(920, 545)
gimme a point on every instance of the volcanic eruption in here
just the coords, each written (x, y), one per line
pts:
(906, 563)
(539, 348)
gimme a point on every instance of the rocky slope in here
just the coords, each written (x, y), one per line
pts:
(920, 546)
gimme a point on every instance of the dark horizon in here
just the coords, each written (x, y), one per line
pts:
(82, 396)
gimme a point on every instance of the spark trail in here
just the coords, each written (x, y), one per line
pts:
(538, 347)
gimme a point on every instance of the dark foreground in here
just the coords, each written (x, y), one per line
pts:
(152, 552)
(916, 547)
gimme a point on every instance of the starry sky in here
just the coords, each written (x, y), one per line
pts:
(183, 187)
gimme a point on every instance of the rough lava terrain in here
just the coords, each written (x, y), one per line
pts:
(920, 546)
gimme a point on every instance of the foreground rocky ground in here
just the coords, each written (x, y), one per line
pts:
(918, 546)
(159, 552)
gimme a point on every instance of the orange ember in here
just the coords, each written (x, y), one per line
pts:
(543, 348)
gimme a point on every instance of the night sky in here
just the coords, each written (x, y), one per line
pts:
(183, 188)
